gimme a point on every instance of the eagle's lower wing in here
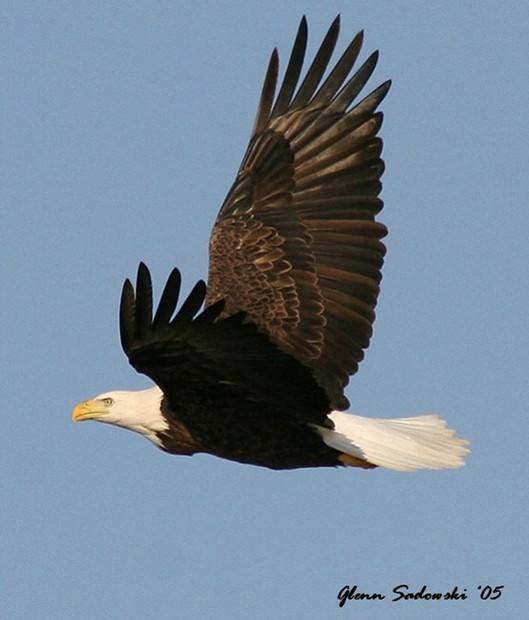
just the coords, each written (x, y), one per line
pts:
(197, 357)
(296, 245)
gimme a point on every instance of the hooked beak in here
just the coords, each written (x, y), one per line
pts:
(88, 410)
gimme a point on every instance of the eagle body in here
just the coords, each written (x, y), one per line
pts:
(253, 366)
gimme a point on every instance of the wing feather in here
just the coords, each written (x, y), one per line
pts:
(317, 68)
(168, 299)
(292, 72)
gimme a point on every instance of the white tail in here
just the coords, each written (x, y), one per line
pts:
(403, 444)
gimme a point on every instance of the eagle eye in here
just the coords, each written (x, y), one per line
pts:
(108, 401)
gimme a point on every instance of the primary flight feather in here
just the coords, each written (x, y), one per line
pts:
(295, 259)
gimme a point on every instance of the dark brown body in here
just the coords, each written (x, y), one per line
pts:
(263, 437)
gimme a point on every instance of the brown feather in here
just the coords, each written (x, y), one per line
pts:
(295, 245)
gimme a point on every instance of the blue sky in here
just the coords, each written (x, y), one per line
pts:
(123, 125)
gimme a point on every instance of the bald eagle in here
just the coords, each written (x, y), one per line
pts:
(258, 375)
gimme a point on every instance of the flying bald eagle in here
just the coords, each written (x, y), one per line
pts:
(295, 254)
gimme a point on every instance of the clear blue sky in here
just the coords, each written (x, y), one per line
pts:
(123, 125)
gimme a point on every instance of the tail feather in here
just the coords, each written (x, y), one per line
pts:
(403, 444)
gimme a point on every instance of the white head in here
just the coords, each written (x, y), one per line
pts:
(138, 411)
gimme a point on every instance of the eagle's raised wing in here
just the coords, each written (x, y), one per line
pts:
(296, 245)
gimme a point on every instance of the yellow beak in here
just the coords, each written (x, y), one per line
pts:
(88, 410)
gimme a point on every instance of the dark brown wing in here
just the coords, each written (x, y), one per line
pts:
(197, 357)
(295, 244)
